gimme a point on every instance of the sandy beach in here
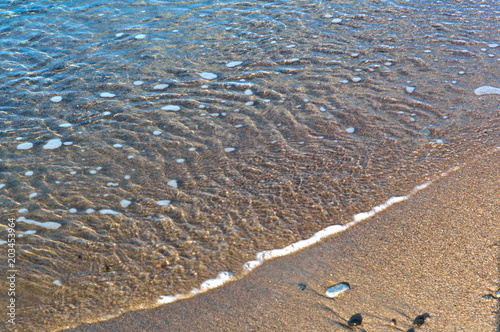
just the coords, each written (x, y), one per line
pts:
(435, 253)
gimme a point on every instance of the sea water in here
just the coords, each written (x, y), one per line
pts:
(150, 150)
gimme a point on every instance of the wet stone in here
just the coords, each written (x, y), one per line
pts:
(420, 319)
(337, 289)
(355, 320)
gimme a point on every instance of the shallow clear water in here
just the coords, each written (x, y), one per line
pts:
(319, 121)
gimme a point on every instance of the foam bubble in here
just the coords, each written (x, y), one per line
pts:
(2, 185)
(65, 125)
(52, 144)
(119, 34)
(221, 279)
(356, 79)
(25, 146)
(487, 90)
(336, 20)
(56, 99)
(47, 224)
(171, 108)
(208, 76)
(493, 45)
(107, 95)
(172, 183)
(350, 130)
(248, 92)
(160, 86)
(164, 202)
(88, 211)
(233, 64)
(229, 149)
(140, 36)
(57, 282)
(108, 211)
(156, 132)
(138, 83)
(410, 89)
(125, 203)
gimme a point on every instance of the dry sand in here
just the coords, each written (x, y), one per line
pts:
(436, 253)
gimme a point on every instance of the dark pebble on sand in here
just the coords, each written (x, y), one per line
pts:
(302, 286)
(420, 319)
(393, 322)
(355, 320)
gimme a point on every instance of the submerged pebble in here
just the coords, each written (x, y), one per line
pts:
(337, 289)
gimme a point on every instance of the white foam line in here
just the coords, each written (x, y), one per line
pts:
(263, 256)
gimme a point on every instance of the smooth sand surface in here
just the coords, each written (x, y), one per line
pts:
(436, 253)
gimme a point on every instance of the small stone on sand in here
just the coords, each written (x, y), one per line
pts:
(355, 320)
(337, 289)
(56, 99)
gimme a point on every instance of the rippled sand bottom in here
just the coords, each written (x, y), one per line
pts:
(155, 189)
(434, 255)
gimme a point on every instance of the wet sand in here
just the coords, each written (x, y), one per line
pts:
(436, 253)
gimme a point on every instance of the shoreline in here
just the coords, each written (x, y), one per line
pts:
(436, 252)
